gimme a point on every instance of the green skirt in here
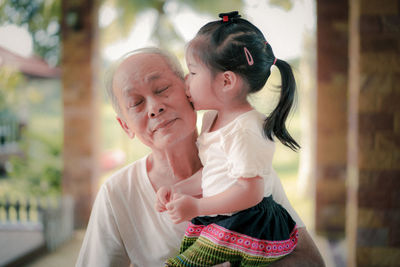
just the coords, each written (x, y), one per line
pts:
(256, 236)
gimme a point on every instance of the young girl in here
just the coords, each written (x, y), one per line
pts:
(237, 219)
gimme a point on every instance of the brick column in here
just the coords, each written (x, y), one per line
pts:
(80, 100)
(332, 68)
(373, 219)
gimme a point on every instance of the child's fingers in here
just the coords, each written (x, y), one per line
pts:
(170, 206)
(161, 195)
(174, 217)
(176, 196)
(160, 207)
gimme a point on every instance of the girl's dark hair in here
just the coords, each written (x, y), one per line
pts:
(221, 44)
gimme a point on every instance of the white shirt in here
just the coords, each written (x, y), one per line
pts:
(124, 227)
(237, 150)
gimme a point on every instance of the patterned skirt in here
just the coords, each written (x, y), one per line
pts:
(256, 236)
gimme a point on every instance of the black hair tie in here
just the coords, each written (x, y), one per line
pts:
(229, 17)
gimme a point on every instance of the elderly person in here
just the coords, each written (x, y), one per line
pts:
(146, 88)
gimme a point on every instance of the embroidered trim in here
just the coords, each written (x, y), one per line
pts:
(253, 246)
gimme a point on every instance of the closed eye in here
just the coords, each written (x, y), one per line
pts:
(159, 91)
(136, 103)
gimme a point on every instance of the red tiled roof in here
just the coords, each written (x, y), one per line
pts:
(31, 66)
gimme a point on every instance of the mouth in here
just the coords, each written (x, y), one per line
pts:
(164, 124)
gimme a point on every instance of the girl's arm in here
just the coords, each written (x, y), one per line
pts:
(245, 193)
(190, 186)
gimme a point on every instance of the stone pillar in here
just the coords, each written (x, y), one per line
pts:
(80, 100)
(373, 220)
(331, 117)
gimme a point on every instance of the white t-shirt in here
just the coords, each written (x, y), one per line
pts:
(124, 227)
(236, 150)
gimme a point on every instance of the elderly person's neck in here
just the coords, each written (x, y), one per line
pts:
(175, 163)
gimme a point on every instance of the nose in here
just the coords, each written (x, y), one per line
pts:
(154, 114)
(155, 108)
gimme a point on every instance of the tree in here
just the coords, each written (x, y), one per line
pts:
(164, 32)
(41, 19)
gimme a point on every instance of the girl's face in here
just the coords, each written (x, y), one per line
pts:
(199, 84)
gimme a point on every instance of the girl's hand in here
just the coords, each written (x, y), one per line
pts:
(182, 208)
(164, 194)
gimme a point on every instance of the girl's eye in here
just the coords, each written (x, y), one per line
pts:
(192, 73)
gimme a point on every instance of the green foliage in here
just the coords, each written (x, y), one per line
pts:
(164, 34)
(38, 171)
(41, 17)
(10, 79)
(38, 168)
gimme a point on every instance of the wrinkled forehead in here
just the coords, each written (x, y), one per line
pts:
(140, 69)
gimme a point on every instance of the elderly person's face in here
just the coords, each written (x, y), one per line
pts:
(153, 103)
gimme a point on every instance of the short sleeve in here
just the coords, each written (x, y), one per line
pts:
(102, 245)
(248, 154)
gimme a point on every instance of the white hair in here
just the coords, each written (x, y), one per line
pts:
(169, 58)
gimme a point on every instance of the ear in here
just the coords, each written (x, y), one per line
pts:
(229, 81)
(126, 128)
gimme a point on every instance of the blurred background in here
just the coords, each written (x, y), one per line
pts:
(59, 139)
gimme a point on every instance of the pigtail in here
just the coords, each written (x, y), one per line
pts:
(274, 124)
(218, 44)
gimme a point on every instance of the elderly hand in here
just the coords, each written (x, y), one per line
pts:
(182, 208)
(164, 194)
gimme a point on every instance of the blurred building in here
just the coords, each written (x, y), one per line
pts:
(31, 67)
(33, 70)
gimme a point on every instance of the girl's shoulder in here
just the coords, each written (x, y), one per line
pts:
(251, 121)
(248, 129)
